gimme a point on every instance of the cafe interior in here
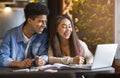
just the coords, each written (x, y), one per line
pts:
(96, 21)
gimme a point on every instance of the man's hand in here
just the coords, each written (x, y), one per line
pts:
(78, 60)
(23, 64)
(40, 61)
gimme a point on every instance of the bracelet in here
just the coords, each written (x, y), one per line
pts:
(69, 60)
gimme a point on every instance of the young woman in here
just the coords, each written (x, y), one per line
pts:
(64, 46)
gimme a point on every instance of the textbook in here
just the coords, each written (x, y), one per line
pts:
(55, 66)
(60, 66)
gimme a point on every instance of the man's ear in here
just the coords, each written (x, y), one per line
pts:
(30, 20)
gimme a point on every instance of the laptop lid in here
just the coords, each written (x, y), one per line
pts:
(104, 55)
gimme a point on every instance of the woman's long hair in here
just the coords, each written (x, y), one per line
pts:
(54, 39)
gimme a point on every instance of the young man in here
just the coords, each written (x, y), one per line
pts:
(27, 44)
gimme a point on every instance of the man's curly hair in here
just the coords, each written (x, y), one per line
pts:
(32, 10)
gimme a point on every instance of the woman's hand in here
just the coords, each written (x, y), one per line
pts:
(78, 60)
(40, 61)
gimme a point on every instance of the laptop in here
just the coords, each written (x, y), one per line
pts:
(104, 56)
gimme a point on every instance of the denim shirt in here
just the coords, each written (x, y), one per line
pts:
(14, 45)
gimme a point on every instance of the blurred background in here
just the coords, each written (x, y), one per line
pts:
(96, 21)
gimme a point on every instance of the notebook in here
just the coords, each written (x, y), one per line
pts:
(104, 56)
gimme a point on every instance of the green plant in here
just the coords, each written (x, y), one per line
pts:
(95, 23)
